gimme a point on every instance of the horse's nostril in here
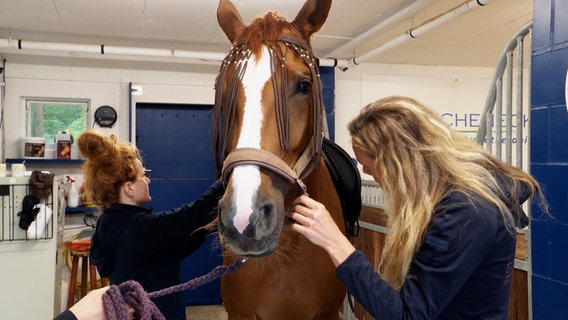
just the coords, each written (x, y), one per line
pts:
(266, 210)
(267, 218)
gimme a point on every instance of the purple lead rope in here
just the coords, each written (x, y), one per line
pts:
(130, 294)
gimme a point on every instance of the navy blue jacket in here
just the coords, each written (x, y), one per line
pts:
(135, 243)
(65, 315)
(462, 270)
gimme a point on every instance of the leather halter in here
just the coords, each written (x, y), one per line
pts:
(232, 69)
(268, 161)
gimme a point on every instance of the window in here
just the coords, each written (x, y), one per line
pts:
(45, 118)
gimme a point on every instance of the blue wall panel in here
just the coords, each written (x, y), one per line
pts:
(549, 299)
(552, 178)
(541, 25)
(327, 76)
(547, 77)
(560, 29)
(539, 135)
(558, 239)
(558, 128)
(178, 140)
(549, 157)
(540, 248)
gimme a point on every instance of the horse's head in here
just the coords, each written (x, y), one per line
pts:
(268, 113)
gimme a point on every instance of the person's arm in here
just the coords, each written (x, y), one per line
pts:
(368, 288)
(440, 268)
(205, 207)
(180, 228)
(90, 307)
(444, 262)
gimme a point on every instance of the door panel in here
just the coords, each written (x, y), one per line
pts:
(175, 142)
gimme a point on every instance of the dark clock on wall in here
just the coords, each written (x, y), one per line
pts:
(105, 116)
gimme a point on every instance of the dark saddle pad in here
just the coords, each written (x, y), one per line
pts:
(347, 181)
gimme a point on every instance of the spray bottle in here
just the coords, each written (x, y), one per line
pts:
(73, 195)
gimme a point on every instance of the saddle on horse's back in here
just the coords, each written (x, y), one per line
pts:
(347, 181)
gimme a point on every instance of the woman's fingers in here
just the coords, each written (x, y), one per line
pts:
(298, 217)
(304, 201)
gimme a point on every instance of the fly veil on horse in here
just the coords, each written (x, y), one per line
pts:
(268, 111)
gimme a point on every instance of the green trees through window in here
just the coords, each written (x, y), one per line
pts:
(47, 118)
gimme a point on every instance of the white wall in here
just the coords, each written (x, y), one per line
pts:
(102, 83)
(459, 92)
(456, 93)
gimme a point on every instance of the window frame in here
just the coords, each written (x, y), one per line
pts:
(29, 101)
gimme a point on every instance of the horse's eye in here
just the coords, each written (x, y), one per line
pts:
(304, 86)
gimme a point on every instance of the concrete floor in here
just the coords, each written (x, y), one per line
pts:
(213, 312)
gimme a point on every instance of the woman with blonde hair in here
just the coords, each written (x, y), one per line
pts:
(452, 209)
(131, 242)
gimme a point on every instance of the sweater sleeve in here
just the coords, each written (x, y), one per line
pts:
(368, 288)
(66, 315)
(449, 254)
(176, 229)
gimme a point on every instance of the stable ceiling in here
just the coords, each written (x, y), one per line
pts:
(476, 38)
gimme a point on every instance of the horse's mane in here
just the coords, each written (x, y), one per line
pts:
(264, 30)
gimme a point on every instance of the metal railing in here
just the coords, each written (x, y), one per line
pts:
(371, 194)
(509, 75)
(507, 88)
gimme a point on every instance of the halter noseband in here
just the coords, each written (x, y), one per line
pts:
(232, 69)
(266, 160)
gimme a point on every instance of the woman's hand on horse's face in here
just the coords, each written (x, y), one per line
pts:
(312, 220)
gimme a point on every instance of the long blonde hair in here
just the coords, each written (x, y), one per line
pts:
(108, 164)
(419, 160)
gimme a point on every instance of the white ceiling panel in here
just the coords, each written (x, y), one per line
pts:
(472, 39)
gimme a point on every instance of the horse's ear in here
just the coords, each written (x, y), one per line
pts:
(312, 17)
(230, 20)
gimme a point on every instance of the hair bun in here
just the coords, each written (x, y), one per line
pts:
(95, 145)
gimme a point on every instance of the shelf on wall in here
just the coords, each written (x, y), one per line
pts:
(80, 209)
(50, 161)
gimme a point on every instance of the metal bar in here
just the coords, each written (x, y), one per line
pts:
(373, 227)
(499, 118)
(519, 111)
(509, 108)
(522, 265)
(488, 138)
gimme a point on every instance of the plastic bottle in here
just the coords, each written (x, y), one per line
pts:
(73, 196)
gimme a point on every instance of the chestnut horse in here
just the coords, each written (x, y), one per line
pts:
(268, 111)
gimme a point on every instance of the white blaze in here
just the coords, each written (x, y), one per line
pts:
(246, 178)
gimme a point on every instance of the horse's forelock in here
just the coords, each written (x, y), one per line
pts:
(264, 30)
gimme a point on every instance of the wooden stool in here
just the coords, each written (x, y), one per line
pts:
(85, 267)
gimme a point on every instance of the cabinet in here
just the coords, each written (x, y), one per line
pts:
(27, 264)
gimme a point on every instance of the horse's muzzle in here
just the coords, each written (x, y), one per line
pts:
(256, 236)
